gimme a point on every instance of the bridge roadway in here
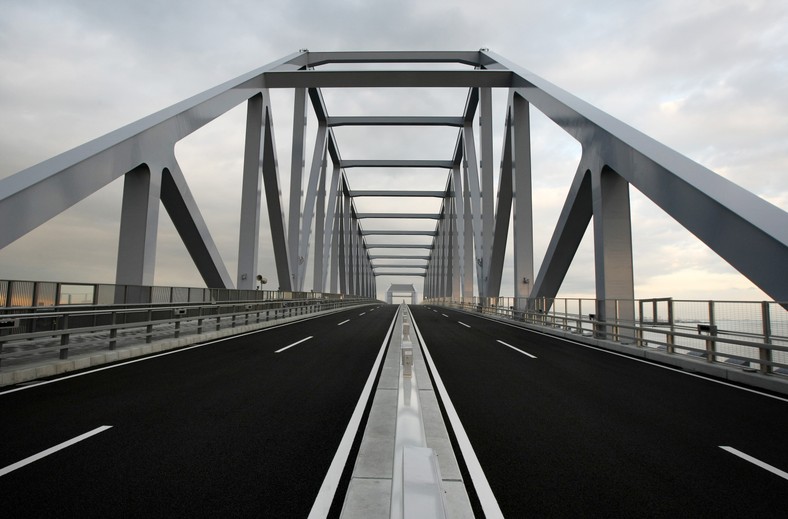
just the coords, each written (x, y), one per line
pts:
(234, 428)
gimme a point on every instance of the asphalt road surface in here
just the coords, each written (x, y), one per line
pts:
(564, 430)
(228, 429)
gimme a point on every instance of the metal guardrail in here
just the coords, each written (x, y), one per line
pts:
(37, 333)
(751, 334)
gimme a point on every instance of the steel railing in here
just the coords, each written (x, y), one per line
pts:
(751, 334)
(32, 333)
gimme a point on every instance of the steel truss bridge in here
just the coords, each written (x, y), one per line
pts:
(242, 401)
(469, 239)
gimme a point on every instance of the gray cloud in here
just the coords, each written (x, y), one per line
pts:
(706, 78)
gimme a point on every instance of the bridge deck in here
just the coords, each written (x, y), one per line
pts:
(235, 427)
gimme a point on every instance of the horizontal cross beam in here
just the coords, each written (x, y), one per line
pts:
(412, 216)
(433, 194)
(395, 266)
(414, 274)
(405, 163)
(397, 233)
(398, 246)
(387, 79)
(394, 256)
(406, 120)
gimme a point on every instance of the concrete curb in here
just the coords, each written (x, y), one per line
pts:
(58, 367)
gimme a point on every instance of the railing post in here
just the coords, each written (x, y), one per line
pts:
(64, 338)
(149, 328)
(113, 332)
(711, 345)
(765, 352)
(639, 330)
(671, 339)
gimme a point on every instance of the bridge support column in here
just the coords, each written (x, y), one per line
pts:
(139, 224)
(615, 287)
(248, 241)
(522, 210)
(296, 185)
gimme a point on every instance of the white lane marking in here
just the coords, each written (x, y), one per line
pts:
(517, 349)
(462, 323)
(280, 350)
(444, 315)
(325, 496)
(755, 461)
(343, 322)
(162, 354)
(362, 313)
(644, 361)
(483, 490)
(52, 450)
(434, 310)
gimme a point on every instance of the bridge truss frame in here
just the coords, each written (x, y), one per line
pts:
(469, 241)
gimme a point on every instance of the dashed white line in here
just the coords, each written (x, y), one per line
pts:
(294, 344)
(755, 461)
(465, 325)
(343, 322)
(517, 349)
(444, 315)
(52, 450)
(362, 313)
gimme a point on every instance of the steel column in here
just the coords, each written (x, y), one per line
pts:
(296, 184)
(139, 222)
(315, 173)
(273, 200)
(488, 199)
(522, 211)
(251, 187)
(613, 247)
(472, 184)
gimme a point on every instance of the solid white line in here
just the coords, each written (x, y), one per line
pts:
(462, 323)
(636, 359)
(294, 344)
(325, 496)
(343, 322)
(517, 349)
(52, 450)
(755, 461)
(162, 354)
(480, 483)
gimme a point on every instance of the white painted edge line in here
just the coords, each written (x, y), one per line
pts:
(325, 496)
(52, 450)
(643, 361)
(343, 322)
(162, 354)
(517, 349)
(280, 350)
(465, 325)
(480, 483)
(755, 461)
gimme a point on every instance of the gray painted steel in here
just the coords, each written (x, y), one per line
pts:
(470, 229)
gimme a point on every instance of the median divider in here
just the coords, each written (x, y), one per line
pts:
(406, 466)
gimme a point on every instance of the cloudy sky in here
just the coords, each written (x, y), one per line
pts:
(708, 78)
